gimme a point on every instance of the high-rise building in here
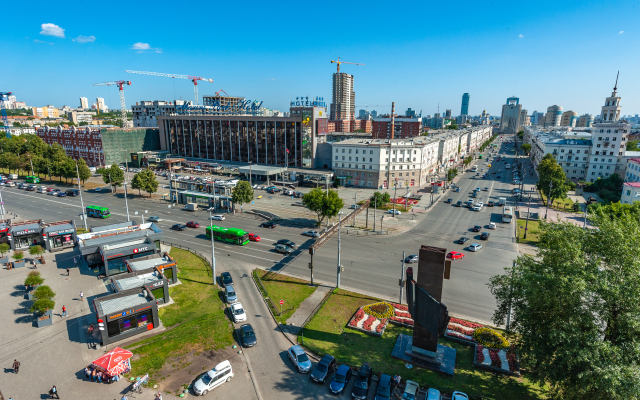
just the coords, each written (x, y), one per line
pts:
(569, 118)
(362, 113)
(465, 104)
(410, 113)
(554, 116)
(510, 121)
(84, 103)
(100, 104)
(344, 98)
(374, 113)
(585, 121)
(447, 114)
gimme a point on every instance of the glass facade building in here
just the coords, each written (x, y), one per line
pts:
(235, 138)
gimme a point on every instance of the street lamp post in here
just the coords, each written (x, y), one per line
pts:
(250, 182)
(526, 226)
(84, 215)
(339, 248)
(2, 202)
(126, 170)
(395, 188)
(213, 254)
(548, 197)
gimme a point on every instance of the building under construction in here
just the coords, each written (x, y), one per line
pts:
(225, 102)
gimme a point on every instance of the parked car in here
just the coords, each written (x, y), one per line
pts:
(323, 367)
(217, 217)
(179, 227)
(384, 388)
(458, 204)
(411, 390)
(492, 225)
(254, 238)
(72, 192)
(475, 247)
(455, 255)
(354, 206)
(393, 211)
(21, 185)
(312, 234)
(193, 224)
(490, 203)
(448, 201)
(477, 207)
(226, 279)
(459, 396)
(299, 359)
(463, 240)
(269, 224)
(32, 188)
(237, 312)
(486, 189)
(476, 228)
(248, 335)
(153, 218)
(485, 235)
(340, 379)
(230, 295)
(411, 259)
(61, 194)
(286, 242)
(284, 249)
(363, 382)
(222, 373)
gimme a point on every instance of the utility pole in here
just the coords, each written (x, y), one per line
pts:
(84, 215)
(31, 161)
(402, 277)
(355, 206)
(375, 205)
(2, 203)
(126, 201)
(395, 188)
(250, 184)
(339, 248)
(213, 254)
(510, 294)
(526, 226)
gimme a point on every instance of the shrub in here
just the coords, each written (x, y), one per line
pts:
(43, 299)
(33, 279)
(4, 248)
(487, 337)
(18, 255)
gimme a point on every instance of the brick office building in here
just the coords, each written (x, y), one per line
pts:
(405, 127)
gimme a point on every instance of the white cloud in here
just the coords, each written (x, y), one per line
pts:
(271, 79)
(521, 36)
(51, 30)
(41, 41)
(141, 46)
(621, 32)
(85, 39)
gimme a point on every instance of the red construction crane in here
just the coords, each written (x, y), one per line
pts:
(343, 62)
(218, 92)
(123, 107)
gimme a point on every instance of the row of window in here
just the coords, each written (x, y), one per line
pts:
(385, 152)
(393, 167)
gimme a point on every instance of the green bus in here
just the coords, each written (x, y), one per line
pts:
(33, 179)
(98, 212)
(229, 235)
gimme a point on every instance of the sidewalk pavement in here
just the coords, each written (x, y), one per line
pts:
(306, 308)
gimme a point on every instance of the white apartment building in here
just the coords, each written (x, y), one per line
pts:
(632, 172)
(100, 105)
(78, 116)
(371, 162)
(630, 193)
(84, 103)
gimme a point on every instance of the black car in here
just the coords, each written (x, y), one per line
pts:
(340, 379)
(248, 335)
(463, 240)
(287, 242)
(448, 201)
(459, 204)
(226, 279)
(179, 227)
(477, 228)
(490, 203)
(384, 388)
(485, 236)
(322, 369)
(72, 192)
(269, 225)
(362, 383)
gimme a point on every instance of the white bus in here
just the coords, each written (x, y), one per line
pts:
(507, 214)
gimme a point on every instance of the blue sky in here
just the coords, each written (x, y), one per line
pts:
(416, 54)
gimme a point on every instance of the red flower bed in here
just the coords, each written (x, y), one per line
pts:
(462, 330)
(479, 355)
(465, 323)
(403, 314)
(495, 359)
(400, 307)
(367, 324)
(359, 315)
(401, 320)
(513, 363)
(381, 325)
(457, 335)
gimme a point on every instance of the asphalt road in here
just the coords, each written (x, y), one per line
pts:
(372, 264)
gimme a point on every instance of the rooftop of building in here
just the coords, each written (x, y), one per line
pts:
(573, 142)
(148, 262)
(131, 281)
(632, 154)
(416, 141)
(116, 303)
(117, 234)
(634, 160)
(632, 184)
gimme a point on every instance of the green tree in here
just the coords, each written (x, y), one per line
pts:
(112, 176)
(574, 309)
(137, 183)
(550, 172)
(36, 250)
(451, 127)
(4, 248)
(608, 189)
(83, 170)
(526, 147)
(451, 174)
(615, 210)
(43, 299)
(379, 199)
(33, 279)
(242, 193)
(632, 145)
(325, 205)
(18, 255)
(467, 161)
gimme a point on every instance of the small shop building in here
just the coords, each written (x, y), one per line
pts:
(152, 279)
(163, 263)
(25, 234)
(5, 226)
(59, 235)
(125, 314)
(109, 248)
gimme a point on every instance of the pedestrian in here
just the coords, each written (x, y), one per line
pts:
(81, 296)
(16, 366)
(64, 311)
(87, 372)
(124, 397)
(93, 375)
(67, 271)
(54, 392)
(158, 396)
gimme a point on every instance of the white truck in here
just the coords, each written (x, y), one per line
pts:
(13, 176)
(502, 201)
(191, 207)
(474, 168)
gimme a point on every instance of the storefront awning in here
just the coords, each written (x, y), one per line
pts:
(113, 360)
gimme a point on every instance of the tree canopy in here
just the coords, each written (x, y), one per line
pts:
(575, 310)
(550, 172)
(608, 189)
(242, 193)
(325, 205)
(112, 176)
(632, 145)
(526, 147)
(145, 180)
(379, 199)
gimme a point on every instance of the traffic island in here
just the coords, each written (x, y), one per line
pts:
(276, 288)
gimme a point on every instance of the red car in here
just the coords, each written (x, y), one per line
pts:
(254, 238)
(454, 255)
(193, 224)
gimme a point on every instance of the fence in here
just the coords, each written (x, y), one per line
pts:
(265, 295)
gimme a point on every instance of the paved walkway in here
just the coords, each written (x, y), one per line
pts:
(306, 307)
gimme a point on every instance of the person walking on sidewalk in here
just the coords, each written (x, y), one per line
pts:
(16, 366)
(54, 392)
(81, 296)
(67, 271)
(64, 311)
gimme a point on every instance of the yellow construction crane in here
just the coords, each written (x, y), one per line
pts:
(343, 62)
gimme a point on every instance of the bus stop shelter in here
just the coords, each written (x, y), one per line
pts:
(262, 172)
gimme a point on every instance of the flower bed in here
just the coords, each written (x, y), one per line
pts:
(490, 338)
(379, 310)
(402, 321)
(357, 317)
(479, 355)
(364, 322)
(400, 307)
(511, 367)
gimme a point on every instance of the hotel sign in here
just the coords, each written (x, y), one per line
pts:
(303, 101)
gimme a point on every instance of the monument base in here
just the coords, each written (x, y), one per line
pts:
(444, 360)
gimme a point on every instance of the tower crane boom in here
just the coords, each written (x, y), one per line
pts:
(193, 79)
(5, 96)
(123, 107)
(343, 62)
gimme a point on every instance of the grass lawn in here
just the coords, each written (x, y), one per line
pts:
(533, 230)
(280, 287)
(327, 333)
(195, 322)
(561, 204)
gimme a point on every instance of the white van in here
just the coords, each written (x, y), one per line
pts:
(474, 168)
(42, 189)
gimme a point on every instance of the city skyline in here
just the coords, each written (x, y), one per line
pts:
(275, 65)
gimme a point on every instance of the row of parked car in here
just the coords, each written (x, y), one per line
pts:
(46, 190)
